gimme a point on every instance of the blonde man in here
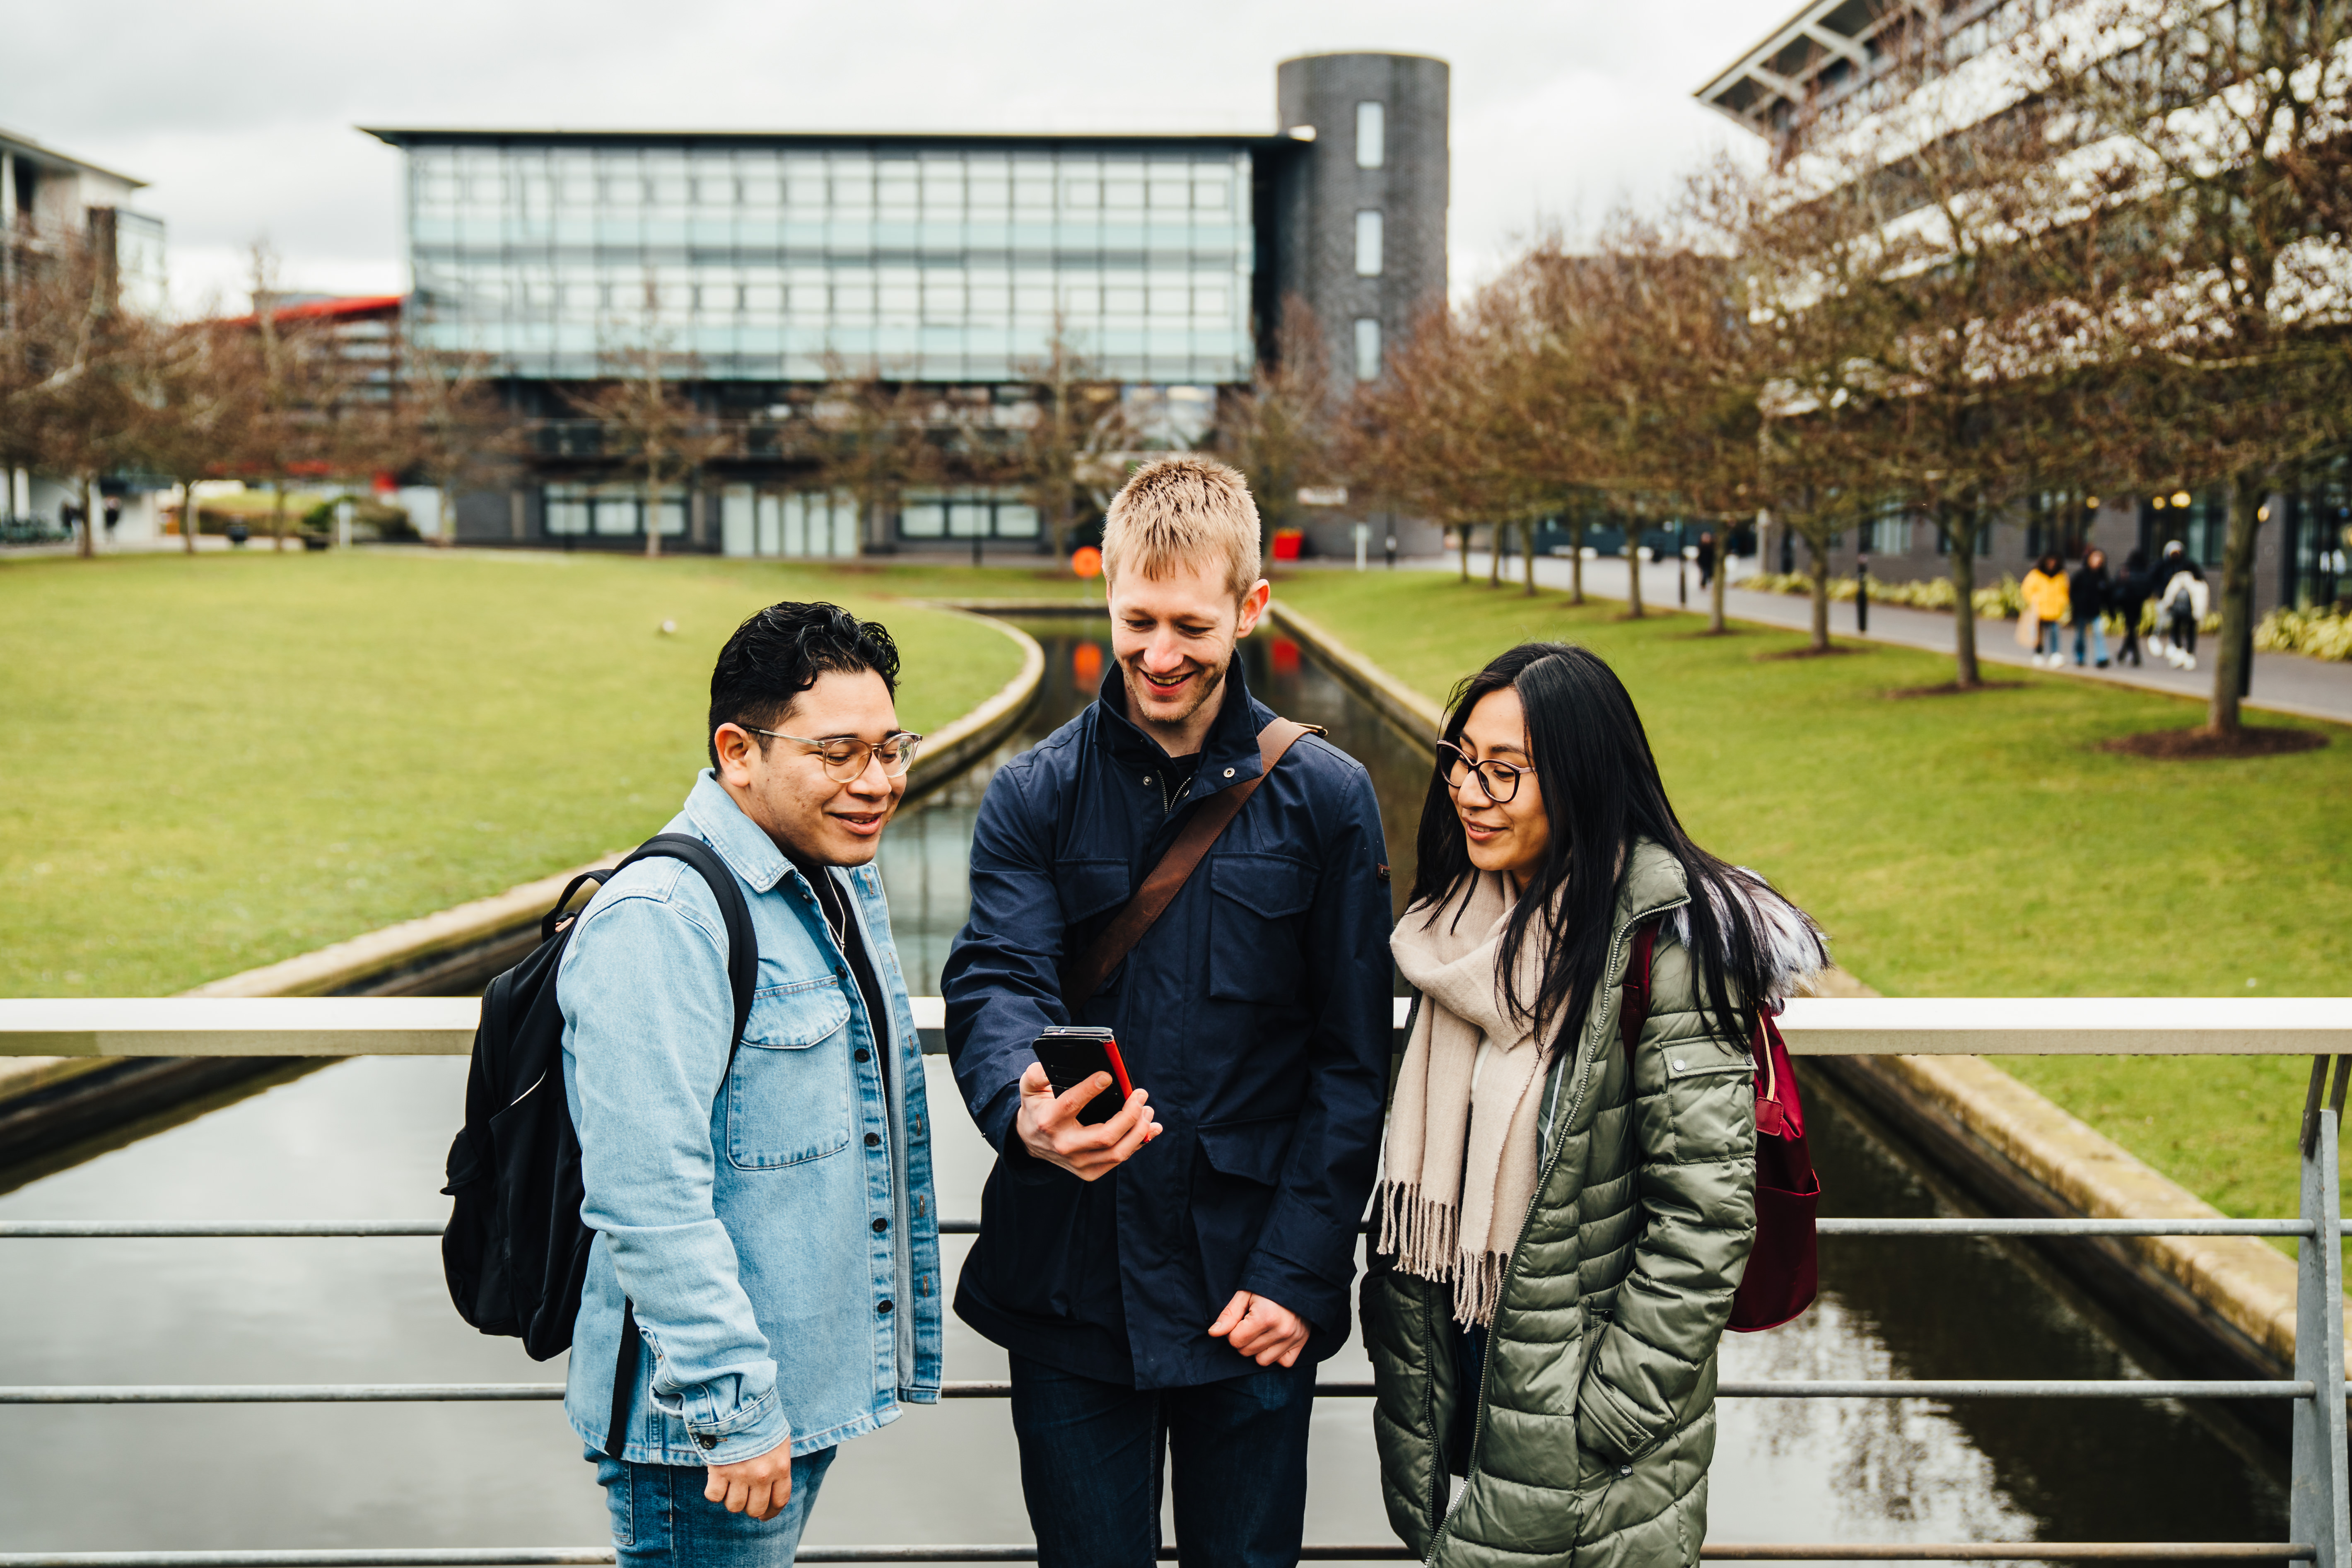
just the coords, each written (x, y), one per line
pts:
(1166, 1280)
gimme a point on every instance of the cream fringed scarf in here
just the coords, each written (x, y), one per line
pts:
(1463, 1149)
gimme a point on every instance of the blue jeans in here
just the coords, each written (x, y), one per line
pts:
(661, 1520)
(2047, 640)
(2096, 625)
(1090, 1466)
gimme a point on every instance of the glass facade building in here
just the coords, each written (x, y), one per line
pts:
(757, 267)
(770, 258)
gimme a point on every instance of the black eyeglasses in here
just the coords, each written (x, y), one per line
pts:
(1500, 781)
(846, 756)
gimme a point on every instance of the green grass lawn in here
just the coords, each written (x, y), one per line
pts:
(1975, 846)
(211, 764)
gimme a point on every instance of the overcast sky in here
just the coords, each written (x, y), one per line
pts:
(240, 113)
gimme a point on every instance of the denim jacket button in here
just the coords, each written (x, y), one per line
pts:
(883, 1306)
(861, 1053)
(880, 1225)
(874, 1139)
(705, 1440)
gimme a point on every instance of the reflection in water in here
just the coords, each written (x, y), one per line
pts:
(366, 1139)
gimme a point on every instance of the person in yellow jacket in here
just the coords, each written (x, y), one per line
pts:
(2044, 591)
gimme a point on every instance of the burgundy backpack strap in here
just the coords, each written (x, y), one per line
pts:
(1635, 1010)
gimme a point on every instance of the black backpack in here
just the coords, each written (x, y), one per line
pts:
(516, 1250)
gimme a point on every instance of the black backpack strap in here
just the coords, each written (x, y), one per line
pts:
(742, 979)
(555, 917)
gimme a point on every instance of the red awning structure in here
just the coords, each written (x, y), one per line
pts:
(356, 308)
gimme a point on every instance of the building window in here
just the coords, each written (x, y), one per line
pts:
(1367, 347)
(800, 522)
(970, 513)
(566, 509)
(1888, 533)
(1372, 135)
(1368, 244)
(611, 510)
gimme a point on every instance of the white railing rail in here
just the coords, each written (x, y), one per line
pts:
(1819, 1026)
(2319, 1528)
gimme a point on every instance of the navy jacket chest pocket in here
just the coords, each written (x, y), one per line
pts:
(1253, 920)
(788, 1098)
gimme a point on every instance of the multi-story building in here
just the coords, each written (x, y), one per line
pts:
(1826, 70)
(761, 267)
(50, 201)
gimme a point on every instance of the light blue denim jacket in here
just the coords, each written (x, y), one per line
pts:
(777, 1230)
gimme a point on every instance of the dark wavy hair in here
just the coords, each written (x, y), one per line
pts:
(779, 653)
(1600, 790)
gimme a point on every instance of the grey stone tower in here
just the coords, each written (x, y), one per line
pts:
(1362, 207)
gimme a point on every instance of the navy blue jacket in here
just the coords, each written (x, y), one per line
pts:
(1257, 1012)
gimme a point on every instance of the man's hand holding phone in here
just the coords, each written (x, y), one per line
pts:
(1049, 1127)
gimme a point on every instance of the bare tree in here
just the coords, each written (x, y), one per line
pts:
(1067, 434)
(1279, 432)
(646, 420)
(309, 417)
(70, 352)
(2217, 133)
(1437, 431)
(446, 423)
(875, 436)
(195, 393)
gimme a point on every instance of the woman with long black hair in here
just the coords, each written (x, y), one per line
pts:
(1561, 1224)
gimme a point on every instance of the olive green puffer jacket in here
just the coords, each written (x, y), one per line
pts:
(1596, 1422)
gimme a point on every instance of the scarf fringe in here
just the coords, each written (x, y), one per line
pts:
(1423, 1236)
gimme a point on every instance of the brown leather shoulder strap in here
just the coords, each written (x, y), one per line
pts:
(1159, 888)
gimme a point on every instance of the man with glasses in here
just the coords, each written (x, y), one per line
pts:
(763, 1214)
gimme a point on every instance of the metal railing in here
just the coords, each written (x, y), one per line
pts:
(2318, 1490)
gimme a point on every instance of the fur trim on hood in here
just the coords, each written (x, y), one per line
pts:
(1795, 950)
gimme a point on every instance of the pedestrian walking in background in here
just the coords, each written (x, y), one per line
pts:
(1706, 558)
(1564, 1215)
(2128, 596)
(2045, 594)
(2088, 594)
(2179, 605)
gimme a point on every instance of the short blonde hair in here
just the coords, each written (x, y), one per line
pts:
(1183, 514)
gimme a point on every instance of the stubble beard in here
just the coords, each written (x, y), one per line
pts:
(1213, 683)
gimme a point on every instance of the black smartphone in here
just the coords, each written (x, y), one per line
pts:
(1073, 1053)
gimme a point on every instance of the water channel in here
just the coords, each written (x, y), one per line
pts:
(364, 1140)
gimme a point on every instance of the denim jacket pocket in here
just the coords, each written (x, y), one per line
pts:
(788, 1098)
(1253, 927)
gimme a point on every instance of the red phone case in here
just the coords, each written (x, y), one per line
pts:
(1121, 1084)
(1118, 1070)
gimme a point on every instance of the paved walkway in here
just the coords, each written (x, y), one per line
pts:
(2283, 682)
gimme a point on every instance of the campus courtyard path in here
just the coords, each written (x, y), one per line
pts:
(2283, 682)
